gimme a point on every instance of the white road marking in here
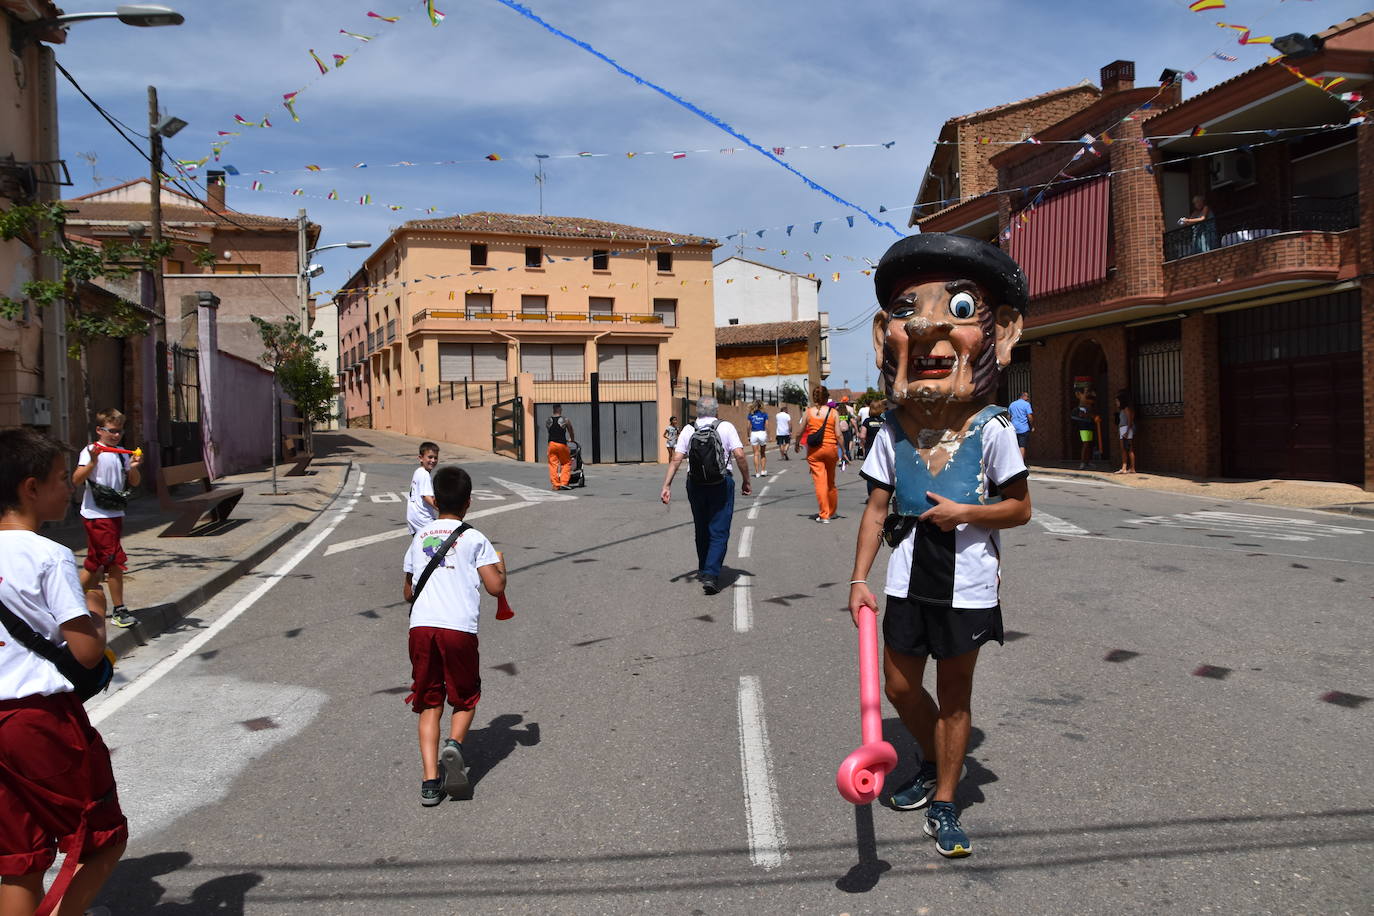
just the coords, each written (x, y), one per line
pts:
(1244, 550)
(744, 605)
(486, 495)
(533, 494)
(154, 674)
(1056, 525)
(746, 541)
(753, 512)
(1080, 481)
(386, 497)
(1266, 527)
(764, 492)
(767, 845)
(779, 473)
(404, 532)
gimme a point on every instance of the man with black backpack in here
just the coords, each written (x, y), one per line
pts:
(708, 443)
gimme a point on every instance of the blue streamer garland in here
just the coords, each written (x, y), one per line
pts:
(533, 17)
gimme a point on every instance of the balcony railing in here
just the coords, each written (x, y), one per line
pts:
(1255, 221)
(546, 317)
(391, 330)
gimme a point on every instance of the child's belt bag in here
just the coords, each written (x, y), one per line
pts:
(108, 497)
(86, 682)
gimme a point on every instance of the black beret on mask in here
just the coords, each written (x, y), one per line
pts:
(956, 256)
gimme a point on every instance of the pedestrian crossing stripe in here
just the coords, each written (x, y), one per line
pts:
(1271, 527)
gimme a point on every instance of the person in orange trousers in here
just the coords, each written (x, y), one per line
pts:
(560, 459)
(823, 458)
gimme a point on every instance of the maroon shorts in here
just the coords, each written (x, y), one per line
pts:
(53, 766)
(103, 550)
(443, 664)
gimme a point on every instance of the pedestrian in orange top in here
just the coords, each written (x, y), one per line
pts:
(820, 432)
(560, 459)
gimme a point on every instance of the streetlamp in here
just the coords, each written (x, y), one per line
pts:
(142, 15)
(310, 271)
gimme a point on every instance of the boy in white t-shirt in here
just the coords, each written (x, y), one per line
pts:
(56, 785)
(420, 509)
(444, 659)
(783, 419)
(103, 477)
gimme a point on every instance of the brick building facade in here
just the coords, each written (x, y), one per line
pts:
(1245, 340)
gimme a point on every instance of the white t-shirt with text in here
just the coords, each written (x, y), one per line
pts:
(452, 597)
(966, 567)
(111, 470)
(38, 582)
(418, 512)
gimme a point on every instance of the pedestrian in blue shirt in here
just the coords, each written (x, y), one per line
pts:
(1022, 420)
(758, 438)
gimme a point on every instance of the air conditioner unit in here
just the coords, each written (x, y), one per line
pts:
(1235, 169)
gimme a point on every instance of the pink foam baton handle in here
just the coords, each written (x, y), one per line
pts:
(117, 451)
(860, 777)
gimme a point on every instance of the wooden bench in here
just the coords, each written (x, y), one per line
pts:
(301, 458)
(217, 502)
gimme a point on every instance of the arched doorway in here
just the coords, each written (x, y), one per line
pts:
(1087, 370)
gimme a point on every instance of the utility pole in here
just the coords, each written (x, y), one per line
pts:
(164, 418)
(302, 254)
(539, 180)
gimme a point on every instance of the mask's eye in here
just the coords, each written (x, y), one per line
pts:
(903, 309)
(963, 305)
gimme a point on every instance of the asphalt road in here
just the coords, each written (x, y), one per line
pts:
(1177, 722)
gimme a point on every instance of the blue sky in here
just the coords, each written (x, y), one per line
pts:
(488, 80)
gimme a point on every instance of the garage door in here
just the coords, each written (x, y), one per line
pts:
(1298, 414)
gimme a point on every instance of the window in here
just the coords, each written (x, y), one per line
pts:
(627, 362)
(534, 305)
(1158, 378)
(601, 259)
(534, 256)
(237, 268)
(478, 362)
(665, 262)
(477, 304)
(599, 305)
(174, 267)
(667, 310)
(553, 362)
(477, 254)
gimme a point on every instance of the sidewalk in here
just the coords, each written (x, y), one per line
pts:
(168, 578)
(1302, 494)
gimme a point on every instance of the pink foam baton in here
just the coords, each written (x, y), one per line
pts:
(97, 447)
(860, 777)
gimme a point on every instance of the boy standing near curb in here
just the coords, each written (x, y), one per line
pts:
(446, 563)
(105, 477)
(420, 510)
(57, 790)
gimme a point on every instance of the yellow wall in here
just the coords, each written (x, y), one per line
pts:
(753, 362)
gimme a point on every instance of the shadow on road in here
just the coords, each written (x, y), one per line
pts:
(133, 888)
(489, 746)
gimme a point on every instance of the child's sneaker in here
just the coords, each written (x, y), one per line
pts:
(453, 771)
(942, 825)
(121, 617)
(432, 790)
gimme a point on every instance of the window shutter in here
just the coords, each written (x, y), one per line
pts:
(641, 362)
(489, 362)
(455, 362)
(600, 305)
(537, 361)
(567, 362)
(610, 362)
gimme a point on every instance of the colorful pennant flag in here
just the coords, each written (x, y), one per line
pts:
(435, 17)
(679, 155)
(1197, 131)
(494, 157)
(244, 121)
(381, 17)
(298, 192)
(1190, 76)
(332, 195)
(319, 63)
(365, 200)
(356, 35)
(340, 60)
(1226, 57)
(312, 168)
(257, 185)
(1198, 6)
(230, 133)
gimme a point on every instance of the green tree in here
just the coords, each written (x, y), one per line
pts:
(290, 352)
(792, 393)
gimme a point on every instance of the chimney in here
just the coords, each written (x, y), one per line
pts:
(214, 189)
(1118, 76)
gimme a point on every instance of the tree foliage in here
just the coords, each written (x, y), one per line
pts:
(290, 352)
(792, 393)
(39, 225)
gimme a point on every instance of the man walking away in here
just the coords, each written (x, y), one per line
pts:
(783, 419)
(706, 442)
(560, 459)
(1022, 420)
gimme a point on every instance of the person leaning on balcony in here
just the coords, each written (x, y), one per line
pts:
(560, 459)
(1204, 226)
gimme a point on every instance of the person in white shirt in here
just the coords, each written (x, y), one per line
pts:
(56, 783)
(710, 489)
(105, 477)
(947, 474)
(783, 419)
(444, 656)
(420, 507)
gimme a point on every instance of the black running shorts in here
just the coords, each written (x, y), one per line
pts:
(917, 628)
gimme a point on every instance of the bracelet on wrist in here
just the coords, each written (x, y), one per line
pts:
(858, 581)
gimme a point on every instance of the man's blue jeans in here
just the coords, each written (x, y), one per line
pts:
(713, 506)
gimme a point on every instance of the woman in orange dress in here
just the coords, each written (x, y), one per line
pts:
(822, 459)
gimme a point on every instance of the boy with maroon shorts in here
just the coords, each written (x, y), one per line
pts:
(443, 631)
(57, 790)
(99, 471)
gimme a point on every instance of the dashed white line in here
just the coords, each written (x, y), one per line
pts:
(157, 672)
(753, 512)
(767, 845)
(405, 532)
(744, 604)
(746, 541)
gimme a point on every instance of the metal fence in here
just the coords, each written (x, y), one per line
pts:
(1260, 219)
(724, 392)
(472, 394)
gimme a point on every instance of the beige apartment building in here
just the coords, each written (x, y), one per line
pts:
(475, 325)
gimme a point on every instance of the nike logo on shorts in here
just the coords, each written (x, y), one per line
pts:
(979, 634)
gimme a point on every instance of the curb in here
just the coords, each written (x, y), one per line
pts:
(159, 618)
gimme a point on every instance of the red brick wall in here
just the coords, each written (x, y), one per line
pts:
(1311, 254)
(1201, 432)
(1365, 255)
(976, 174)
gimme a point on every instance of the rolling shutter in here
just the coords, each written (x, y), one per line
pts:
(489, 362)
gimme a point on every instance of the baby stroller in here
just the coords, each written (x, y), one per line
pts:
(577, 478)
